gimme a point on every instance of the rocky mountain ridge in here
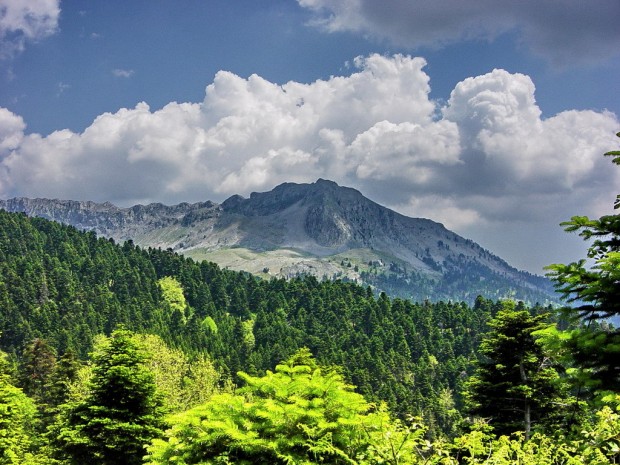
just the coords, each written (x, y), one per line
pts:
(319, 228)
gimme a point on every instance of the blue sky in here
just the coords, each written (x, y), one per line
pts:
(490, 117)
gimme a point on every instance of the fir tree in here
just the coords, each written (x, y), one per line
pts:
(595, 345)
(122, 412)
(515, 385)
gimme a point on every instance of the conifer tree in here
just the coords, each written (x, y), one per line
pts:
(299, 414)
(36, 368)
(122, 411)
(595, 291)
(65, 372)
(515, 385)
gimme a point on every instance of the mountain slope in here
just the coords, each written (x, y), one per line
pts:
(321, 229)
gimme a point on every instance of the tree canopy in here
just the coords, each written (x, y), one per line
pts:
(300, 414)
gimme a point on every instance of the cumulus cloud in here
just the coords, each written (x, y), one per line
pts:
(485, 157)
(23, 21)
(506, 141)
(11, 131)
(563, 32)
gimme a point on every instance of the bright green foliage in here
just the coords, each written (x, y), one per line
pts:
(477, 448)
(17, 418)
(210, 324)
(596, 291)
(247, 331)
(597, 443)
(202, 381)
(172, 292)
(299, 414)
(122, 411)
(182, 382)
(515, 385)
(17, 414)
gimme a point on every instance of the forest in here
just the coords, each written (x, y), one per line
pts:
(113, 354)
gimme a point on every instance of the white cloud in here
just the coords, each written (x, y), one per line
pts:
(563, 32)
(486, 158)
(61, 87)
(11, 131)
(23, 21)
(410, 152)
(507, 147)
(123, 73)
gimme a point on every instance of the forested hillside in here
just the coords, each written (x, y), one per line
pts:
(66, 286)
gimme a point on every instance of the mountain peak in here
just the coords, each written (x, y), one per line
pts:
(310, 227)
(326, 183)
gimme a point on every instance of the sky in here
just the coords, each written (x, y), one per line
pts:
(488, 116)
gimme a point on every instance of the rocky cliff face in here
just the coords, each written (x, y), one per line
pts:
(108, 220)
(324, 228)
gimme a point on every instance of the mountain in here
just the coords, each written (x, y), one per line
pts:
(321, 229)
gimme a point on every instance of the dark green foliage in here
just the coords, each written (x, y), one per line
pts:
(515, 387)
(121, 413)
(38, 361)
(64, 373)
(65, 286)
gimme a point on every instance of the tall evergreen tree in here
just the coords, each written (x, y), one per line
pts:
(65, 372)
(122, 412)
(515, 385)
(38, 362)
